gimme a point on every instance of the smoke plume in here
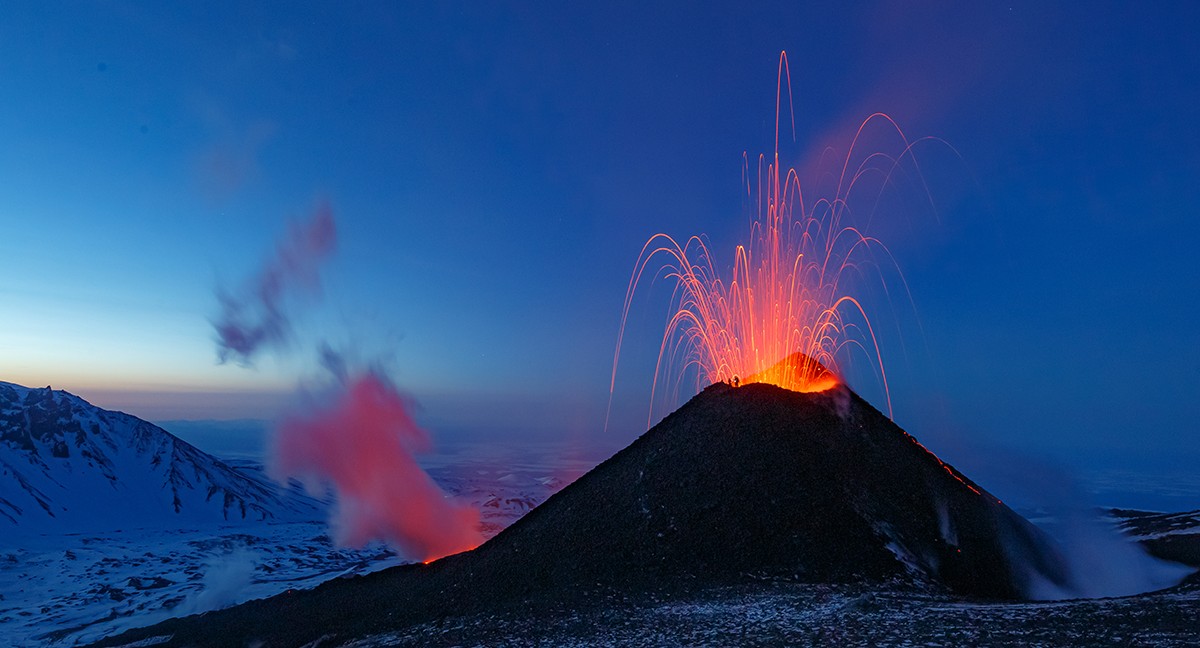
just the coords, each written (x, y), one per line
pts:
(364, 445)
(258, 317)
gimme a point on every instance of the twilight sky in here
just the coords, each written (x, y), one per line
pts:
(495, 171)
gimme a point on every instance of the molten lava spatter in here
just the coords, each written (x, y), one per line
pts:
(790, 288)
(797, 372)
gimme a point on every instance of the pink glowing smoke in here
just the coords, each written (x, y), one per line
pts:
(259, 317)
(364, 446)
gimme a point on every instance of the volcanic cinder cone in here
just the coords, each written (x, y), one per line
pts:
(738, 484)
(758, 480)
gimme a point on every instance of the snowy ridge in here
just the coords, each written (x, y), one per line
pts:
(66, 465)
(1147, 525)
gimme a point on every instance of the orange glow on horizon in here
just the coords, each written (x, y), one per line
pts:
(784, 316)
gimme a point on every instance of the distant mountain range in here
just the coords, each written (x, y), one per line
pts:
(67, 465)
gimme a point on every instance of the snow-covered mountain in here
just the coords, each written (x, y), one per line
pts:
(66, 465)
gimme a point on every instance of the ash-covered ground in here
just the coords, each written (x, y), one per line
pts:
(776, 614)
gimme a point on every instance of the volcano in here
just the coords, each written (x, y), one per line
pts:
(741, 484)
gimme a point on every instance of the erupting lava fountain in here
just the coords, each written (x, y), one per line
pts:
(785, 316)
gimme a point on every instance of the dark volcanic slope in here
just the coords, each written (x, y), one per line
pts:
(739, 484)
(759, 480)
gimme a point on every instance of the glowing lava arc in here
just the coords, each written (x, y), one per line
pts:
(788, 292)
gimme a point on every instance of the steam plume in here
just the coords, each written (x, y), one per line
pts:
(226, 578)
(1102, 563)
(1099, 560)
(259, 316)
(364, 446)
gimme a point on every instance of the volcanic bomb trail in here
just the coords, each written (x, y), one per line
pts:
(790, 289)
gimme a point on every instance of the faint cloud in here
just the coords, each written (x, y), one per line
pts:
(230, 160)
(279, 45)
(281, 49)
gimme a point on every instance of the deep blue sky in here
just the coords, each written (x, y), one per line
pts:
(495, 171)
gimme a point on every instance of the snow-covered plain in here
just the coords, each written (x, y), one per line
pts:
(65, 589)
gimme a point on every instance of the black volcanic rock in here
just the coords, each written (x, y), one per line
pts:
(739, 484)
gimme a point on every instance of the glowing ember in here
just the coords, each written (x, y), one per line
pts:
(788, 295)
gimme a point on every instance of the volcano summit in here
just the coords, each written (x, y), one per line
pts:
(739, 485)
